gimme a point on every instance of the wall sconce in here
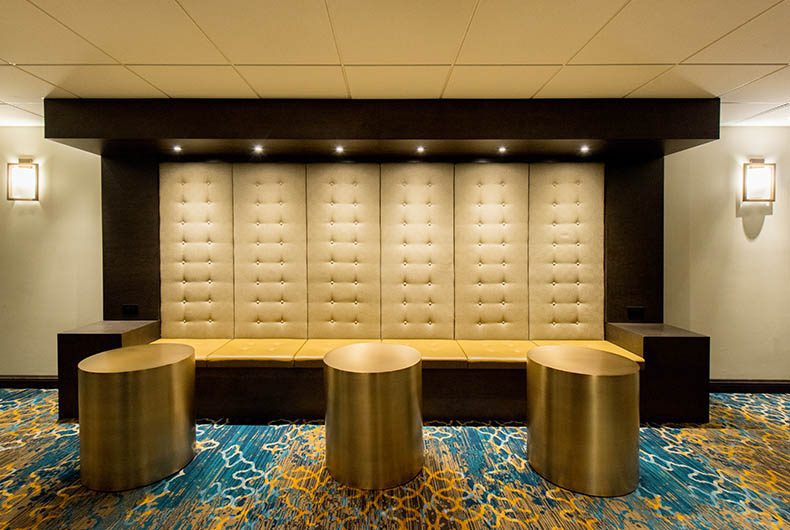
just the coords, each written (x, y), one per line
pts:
(759, 181)
(22, 180)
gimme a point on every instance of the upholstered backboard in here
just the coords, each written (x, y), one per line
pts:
(196, 249)
(269, 227)
(343, 249)
(390, 251)
(566, 251)
(417, 251)
(491, 219)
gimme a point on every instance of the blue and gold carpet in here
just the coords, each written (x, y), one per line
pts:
(731, 473)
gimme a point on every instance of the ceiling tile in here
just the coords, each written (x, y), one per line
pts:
(774, 88)
(497, 81)
(97, 81)
(401, 32)
(36, 107)
(267, 31)
(732, 113)
(296, 81)
(763, 40)
(535, 32)
(28, 36)
(598, 81)
(14, 117)
(17, 86)
(196, 81)
(136, 31)
(779, 117)
(412, 82)
(701, 81)
(668, 31)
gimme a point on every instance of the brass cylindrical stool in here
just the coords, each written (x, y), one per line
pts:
(583, 417)
(137, 415)
(373, 414)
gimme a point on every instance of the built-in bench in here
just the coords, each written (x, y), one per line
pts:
(265, 379)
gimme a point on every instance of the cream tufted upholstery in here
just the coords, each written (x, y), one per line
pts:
(491, 215)
(343, 251)
(566, 251)
(417, 251)
(196, 250)
(270, 231)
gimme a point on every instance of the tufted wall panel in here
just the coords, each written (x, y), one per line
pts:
(270, 233)
(417, 251)
(196, 250)
(491, 230)
(566, 251)
(343, 249)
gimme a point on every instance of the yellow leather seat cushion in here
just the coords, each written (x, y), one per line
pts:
(497, 353)
(311, 354)
(256, 353)
(596, 344)
(435, 353)
(203, 347)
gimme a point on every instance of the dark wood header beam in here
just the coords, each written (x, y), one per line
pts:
(383, 127)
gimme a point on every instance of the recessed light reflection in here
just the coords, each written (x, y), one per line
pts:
(502, 149)
(339, 149)
(420, 149)
(177, 148)
(258, 149)
(584, 149)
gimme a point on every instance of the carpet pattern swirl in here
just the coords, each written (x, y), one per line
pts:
(733, 472)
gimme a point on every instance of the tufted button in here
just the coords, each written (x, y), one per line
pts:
(479, 184)
(182, 223)
(184, 321)
(331, 262)
(331, 241)
(578, 203)
(503, 282)
(356, 223)
(554, 282)
(257, 282)
(479, 284)
(332, 321)
(430, 184)
(257, 301)
(578, 182)
(430, 323)
(404, 284)
(554, 223)
(502, 302)
(356, 322)
(210, 321)
(183, 262)
(354, 183)
(403, 183)
(356, 302)
(578, 263)
(479, 303)
(554, 244)
(184, 282)
(430, 264)
(331, 182)
(282, 282)
(282, 242)
(429, 284)
(282, 321)
(257, 321)
(578, 303)
(331, 203)
(479, 263)
(503, 321)
(554, 263)
(479, 204)
(554, 304)
(208, 262)
(480, 224)
(183, 243)
(356, 263)
(554, 204)
(184, 301)
(578, 283)
(356, 282)
(331, 282)
(257, 262)
(429, 204)
(553, 323)
(578, 244)
(257, 243)
(577, 223)
(554, 184)
(480, 244)
(257, 223)
(356, 242)
(430, 303)
(405, 322)
(209, 281)
(479, 322)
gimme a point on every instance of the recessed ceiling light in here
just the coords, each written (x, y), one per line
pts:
(258, 149)
(339, 149)
(420, 149)
(177, 148)
(584, 149)
(502, 149)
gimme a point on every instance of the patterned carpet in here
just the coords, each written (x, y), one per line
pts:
(731, 473)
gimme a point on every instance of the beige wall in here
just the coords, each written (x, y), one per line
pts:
(727, 265)
(50, 252)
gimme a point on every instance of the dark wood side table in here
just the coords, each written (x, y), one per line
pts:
(674, 380)
(77, 344)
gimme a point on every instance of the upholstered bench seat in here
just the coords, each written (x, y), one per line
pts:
(203, 347)
(436, 353)
(256, 353)
(596, 345)
(311, 354)
(496, 354)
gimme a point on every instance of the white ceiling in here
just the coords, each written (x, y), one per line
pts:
(738, 50)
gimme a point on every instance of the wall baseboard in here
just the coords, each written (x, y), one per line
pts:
(28, 381)
(750, 386)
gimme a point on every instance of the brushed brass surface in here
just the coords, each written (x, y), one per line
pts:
(583, 418)
(137, 415)
(373, 414)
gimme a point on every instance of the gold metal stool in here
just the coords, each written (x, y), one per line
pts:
(373, 414)
(583, 417)
(137, 415)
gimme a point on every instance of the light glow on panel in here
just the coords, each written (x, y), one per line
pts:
(502, 149)
(339, 149)
(22, 181)
(759, 181)
(258, 149)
